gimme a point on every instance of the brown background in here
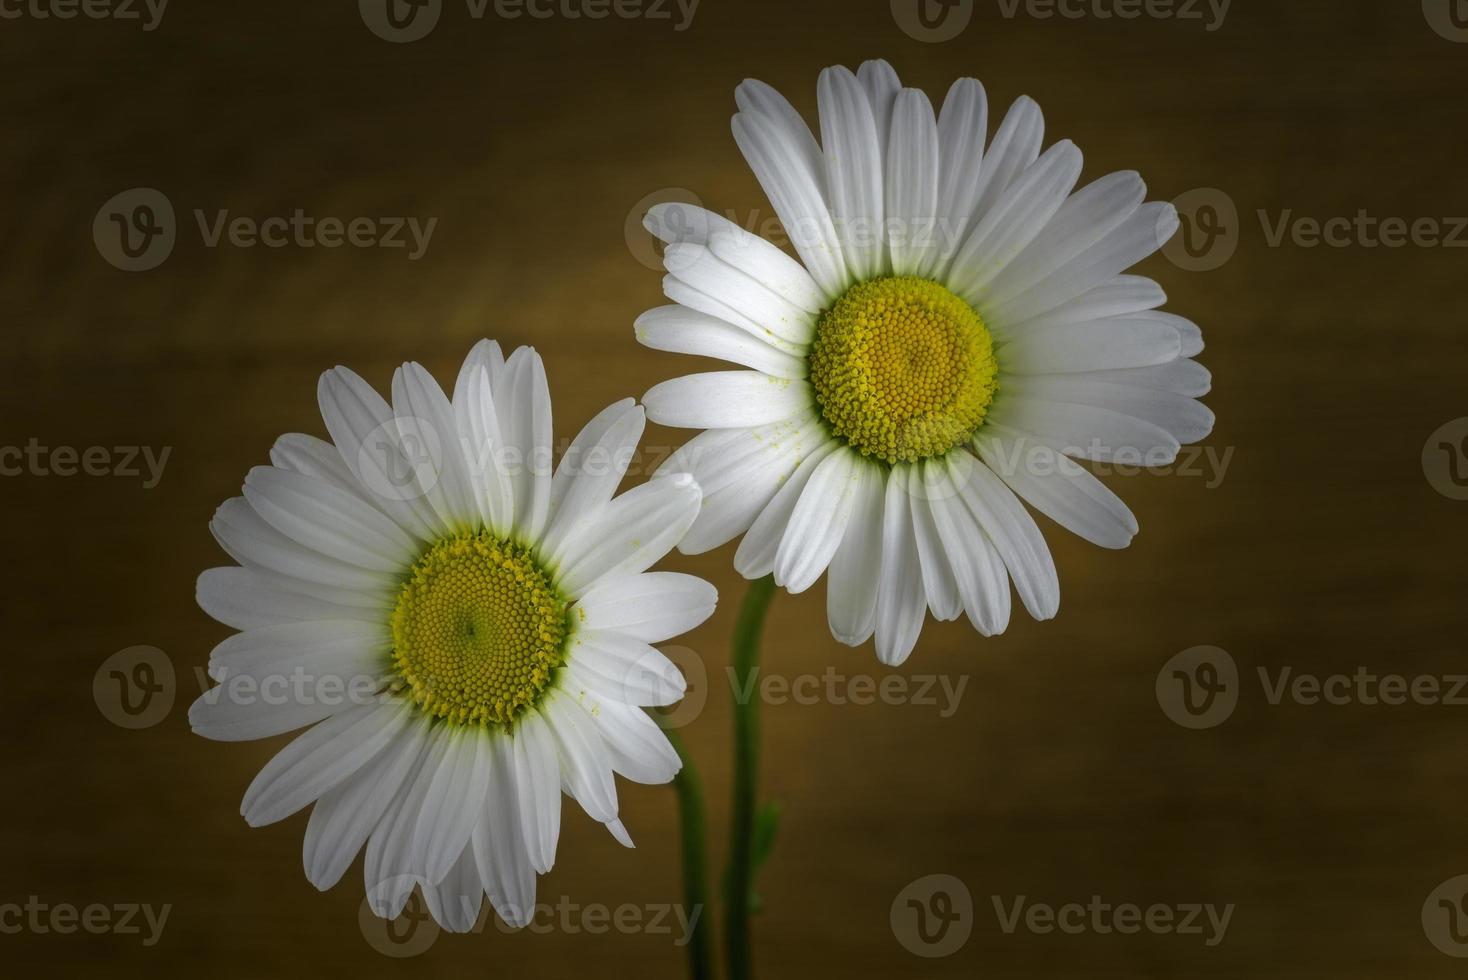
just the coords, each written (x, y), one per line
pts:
(1323, 549)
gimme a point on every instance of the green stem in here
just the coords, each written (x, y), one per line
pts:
(746, 768)
(695, 863)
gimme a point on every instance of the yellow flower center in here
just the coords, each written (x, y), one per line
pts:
(478, 631)
(902, 368)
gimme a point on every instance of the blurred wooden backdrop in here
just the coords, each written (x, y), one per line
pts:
(532, 142)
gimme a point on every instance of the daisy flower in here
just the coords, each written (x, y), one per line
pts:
(956, 333)
(467, 633)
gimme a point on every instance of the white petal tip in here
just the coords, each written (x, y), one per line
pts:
(620, 833)
(893, 658)
(513, 916)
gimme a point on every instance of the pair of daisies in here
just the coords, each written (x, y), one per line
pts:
(469, 632)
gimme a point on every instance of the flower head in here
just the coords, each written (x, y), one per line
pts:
(958, 331)
(466, 631)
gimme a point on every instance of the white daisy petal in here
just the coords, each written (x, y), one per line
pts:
(1097, 434)
(242, 600)
(683, 331)
(335, 648)
(630, 533)
(677, 221)
(1186, 419)
(880, 82)
(486, 357)
(537, 775)
(319, 760)
(681, 293)
(779, 319)
(912, 183)
(978, 572)
(454, 800)
(226, 719)
(485, 449)
(636, 746)
(717, 454)
(523, 404)
(726, 400)
(768, 266)
(455, 901)
(328, 520)
(1190, 338)
(963, 125)
(254, 543)
(650, 606)
(348, 813)
(387, 893)
(273, 696)
(901, 602)
(854, 177)
(317, 459)
(1016, 218)
(1083, 220)
(425, 418)
(622, 668)
(1016, 145)
(1181, 377)
(939, 584)
(756, 554)
(818, 522)
(756, 98)
(1144, 232)
(619, 833)
(1118, 296)
(390, 869)
(1058, 488)
(1013, 532)
(856, 568)
(740, 477)
(729, 513)
(781, 164)
(505, 870)
(601, 450)
(362, 427)
(719, 458)
(591, 470)
(586, 769)
(1123, 342)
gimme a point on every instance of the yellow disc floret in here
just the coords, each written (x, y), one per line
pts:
(479, 630)
(902, 368)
